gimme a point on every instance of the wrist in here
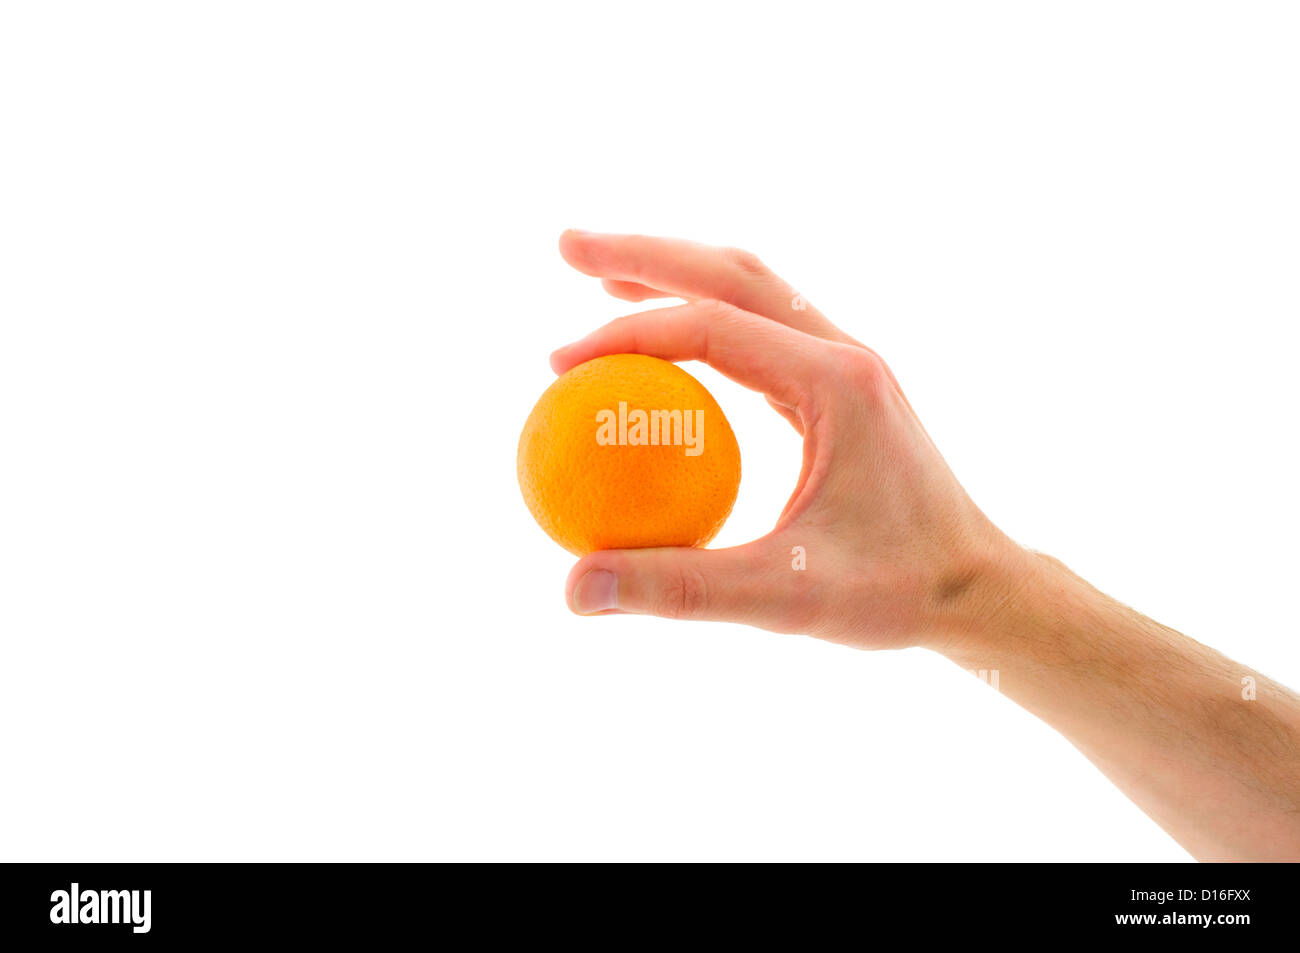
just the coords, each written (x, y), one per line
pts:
(1006, 586)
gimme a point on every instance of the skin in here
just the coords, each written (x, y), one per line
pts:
(913, 562)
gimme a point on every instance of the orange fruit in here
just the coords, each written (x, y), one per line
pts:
(628, 451)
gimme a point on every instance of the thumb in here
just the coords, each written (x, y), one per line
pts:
(722, 585)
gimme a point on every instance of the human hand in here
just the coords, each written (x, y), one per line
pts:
(896, 552)
(898, 555)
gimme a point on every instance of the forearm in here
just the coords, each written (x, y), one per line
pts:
(1163, 716)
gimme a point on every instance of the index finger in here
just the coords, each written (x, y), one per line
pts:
(760, 354)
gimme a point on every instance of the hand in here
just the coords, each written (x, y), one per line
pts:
(896, 552)
(898, 555)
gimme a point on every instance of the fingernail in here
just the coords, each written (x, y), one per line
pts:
(596, 592)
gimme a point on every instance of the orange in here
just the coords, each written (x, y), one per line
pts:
(614, 457)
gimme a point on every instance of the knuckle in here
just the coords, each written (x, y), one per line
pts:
(719, 310)
(746, 262)
(685, 595)
(863, 369)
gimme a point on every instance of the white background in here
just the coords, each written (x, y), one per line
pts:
(277, 287)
